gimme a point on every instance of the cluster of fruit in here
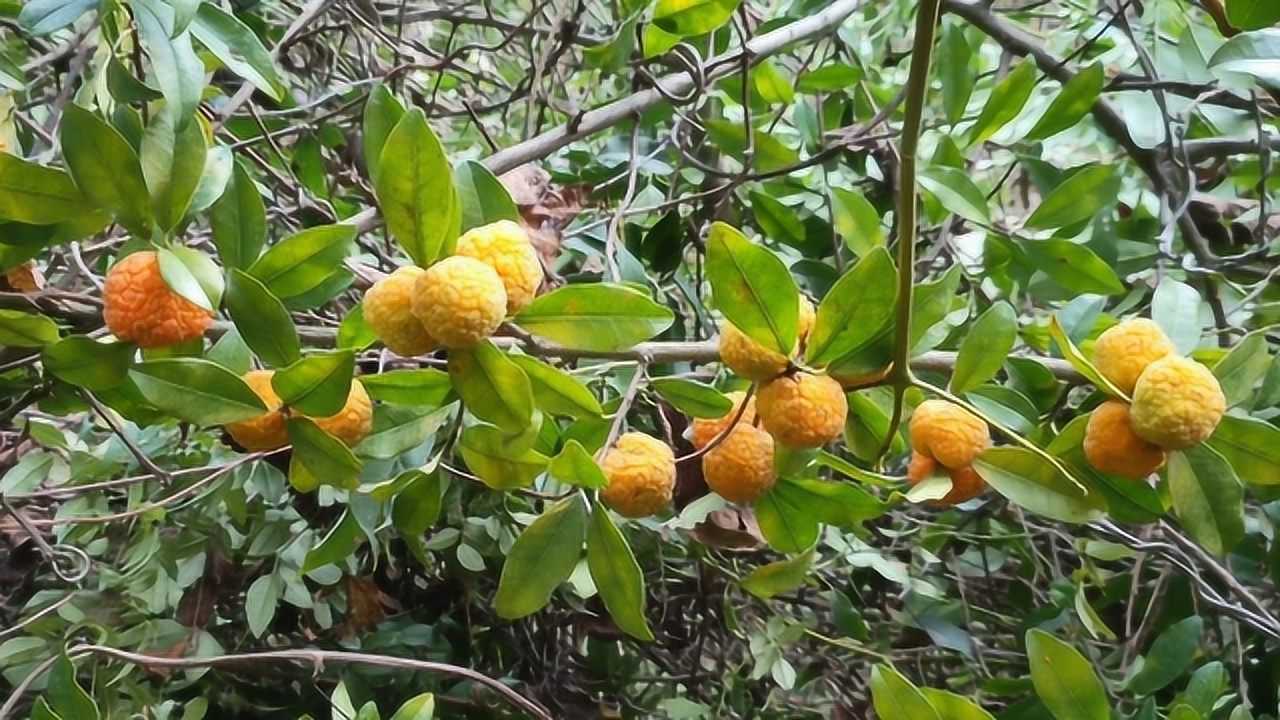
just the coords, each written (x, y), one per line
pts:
(1177, 402)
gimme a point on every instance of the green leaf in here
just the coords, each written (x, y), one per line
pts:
(1251, 446)
(262, 320)
(779, 577)
(788, 522)
(415, 190)
(354, 332)
(1254, 53)
(1065, 681)
(177, 70)
(955, 70)
(855, 310)
(896, 698)
(596, 316)
(41, 711)
(1175, 307)
(985, 347)
(35, 194)
(542, 557)
(382, 111)
(1031, 483)
(753, 288)
(956, 192)
(693, 398)
(320, 458)
(556, 391)
(951, 706)
(616, 574)
(1208, 498)
(304, 260)
(337, 545)
(399, 429)
(196, 390)
(422, 707)
(687, 18)
(1072, 103)
(427, 386)
(856, 220)
(105, 168)
(1171, 655)
(180, 279)
(484, 198)
(771, 84)
(239, 221)
(777, 221)
(11, 76)
(770, 153)
(41, 17)
(64, 694)
(238, 48)
(1073, 266)
(231, 352)
(1077, 198)
(88, 363)
(1240, 371)
(417, 507)
(829, 78)
(172, 159)
(1079, 361)
(20, 329)
(1252, 14)
(575, 466)
(318, 384)
(260, 602)
(1005, 102)
(489, 454)
(492, 386)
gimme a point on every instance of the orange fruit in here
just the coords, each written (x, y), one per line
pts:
(139, 307)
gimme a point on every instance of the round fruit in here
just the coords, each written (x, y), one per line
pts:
(505, 247)
(460, 301)
(139, 307)
(1126, 349)
(705, 430)
(750, 359)
(803, 410)
(1111, 445)
(948, 433)
(966, 483)
(1177, 403)
(388, 310)
(354, 421)
(266, 431)
(642, 474)
(740, 469)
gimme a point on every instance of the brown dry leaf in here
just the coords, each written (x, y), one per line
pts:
(366, 605)
(179, 649)
(25, 278)
(730, 529)
(545, 210)
(526, 184)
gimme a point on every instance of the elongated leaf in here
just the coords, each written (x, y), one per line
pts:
(177, 69)
(1077, 198)
(492, 386)
(382, 111)
(1065, 681)
(1208, 498)
(1080, 362)
(318, 384)
(575, 466)
(951, 706)
(1007, 100)
(693, 398)
(239, 221)
(237, 47)
(20, 329)
(182, 280)
(753, 288)
(543, 557)
(65, 695)
(1252, 14)
(616, 574)
(1073, 102)
(337, 545)
(426, 386)
(1251, 446)
(105, 168)
(422, 707)
(856, 309)
(778, 577)
(42, 17)
(491, 456)
(829, 78)
(955, 69)
(896, 698)
(1175, 307)
(262, 320)
(88, 363)
(1171, 655)
(417, 506)
(416, 192)
(985, 348)
(319, 458)
(692, 17)
(304, 260)
(598, 316)
(856, 220)
(173, 161)
(196, 390)
(556, 391)
(35, 194)
(956, 192)
(1028, 481)
(1254, 53)
(1240, 371)
(483, 197)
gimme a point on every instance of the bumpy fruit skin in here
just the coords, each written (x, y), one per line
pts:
(740, 469)
(642, 475)
(1111, 445)
(966, 483)
(948, 433)
(749, 359)
(268, 431)
(802, 410)
(1177, 403)
(705, 430)
(140, 308)
(505, 247)
(388, 310)
(1124, 350)
(460, 301)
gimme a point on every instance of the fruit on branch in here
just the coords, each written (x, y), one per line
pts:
(753, 361)
(948, 433)
(705, 430)
(966, 483)
(388, 308)
(802, 410)
(505, 247)
(740, 469)
(460, 301)
(1111, 445)
(642, 474)
(139, 307)
(268, 432)
(1177, 403)
(1124, 350)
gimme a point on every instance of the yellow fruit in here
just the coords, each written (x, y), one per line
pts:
(802, 410)
(740, 469)
(948, 433)
(388, 310)
(753, 361)
(460, 301)
(705, 430)
(966, 483)
(140, 308)
(1111, 446)
(1177, 403)
(642, 475)
(505, 247)
(268, 431)
(1125, 350)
